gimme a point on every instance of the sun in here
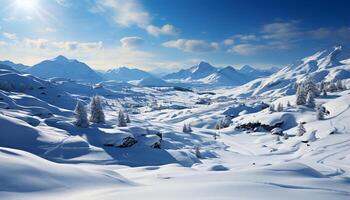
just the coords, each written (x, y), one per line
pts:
(26, 4)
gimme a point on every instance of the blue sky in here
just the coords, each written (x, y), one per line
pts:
(170, 34)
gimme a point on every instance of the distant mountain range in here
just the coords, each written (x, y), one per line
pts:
(207, 74)
(203, 74)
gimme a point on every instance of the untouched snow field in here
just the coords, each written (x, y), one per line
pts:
(74, 165)
(43, 155)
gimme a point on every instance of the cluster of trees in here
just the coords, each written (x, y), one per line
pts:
(96, 114)
(223, 123)
(306, 93)
(333, 86)
(187, 128)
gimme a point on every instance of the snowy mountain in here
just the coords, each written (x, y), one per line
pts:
(151, 81)
(252, 73)
(18, 67)
(125, 74)
(64, 68)
(202, 70)
(206, 74)
(327, 65)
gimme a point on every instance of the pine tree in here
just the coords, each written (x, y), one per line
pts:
(184, 128)
(127, 118)
(310, 86)
(272, 108)
(121, 119)
(97, 115)
(279, 107)
(288, 104)
(301, 129)
(339, 85)
(300, 95)
(332, 87)
(218, 125)
(285, 136)
(310, 100)
(189, 129)
(81, 118)
(198, 153)
(321, 112)
(324, 92)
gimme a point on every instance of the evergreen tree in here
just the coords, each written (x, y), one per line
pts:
(332, 87)
(310, 100)
(198, 153)
(340, 85)
(127, 118)
(184, 128)
(310, 86)
(301, 129)
(272, 108)
(97, 114)
(218, 125)
(321, 112)
(189, 129)
(279, 107)
(121, 119)
(324, 92)
(81, 118)
(300, 95)
(288, 104)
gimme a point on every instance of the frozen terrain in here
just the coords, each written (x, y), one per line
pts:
(44, 155)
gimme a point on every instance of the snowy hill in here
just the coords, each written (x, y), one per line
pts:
(125, 74)
(64, 68)
(326, 65)
(151, 81)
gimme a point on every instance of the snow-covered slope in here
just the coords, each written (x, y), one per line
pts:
(326, 65)
(252, 73)
(64, 68)
(125, 74)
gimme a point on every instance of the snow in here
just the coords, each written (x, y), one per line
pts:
(43, 155)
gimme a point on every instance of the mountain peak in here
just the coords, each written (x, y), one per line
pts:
(203, 64)
(61, 58)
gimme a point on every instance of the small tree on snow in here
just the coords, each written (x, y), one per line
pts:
(310, 86)
(321, 112)
(300, 95)
(189, 129)
(272, 108)
(301, 129)
(218, 125)
(279, 107)
(198, 153)
(127, 118)
(324, 92)
(310, 100)
(97, 114)
(121, 119)
(81, 118)
(339, 85)
(288, 104)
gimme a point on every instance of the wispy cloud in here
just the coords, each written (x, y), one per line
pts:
(11, 36)
(194, 46)
(131, 12)
(131, 42)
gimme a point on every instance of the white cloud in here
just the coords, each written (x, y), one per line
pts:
(11, 36)
(131, 42)
(36, 43)
(50, 30)
(73, 45)
(167, 29)
(126, 13)
(195, 46)
(248, 37)
(246, 49)
(228, 42)
(131, 12)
